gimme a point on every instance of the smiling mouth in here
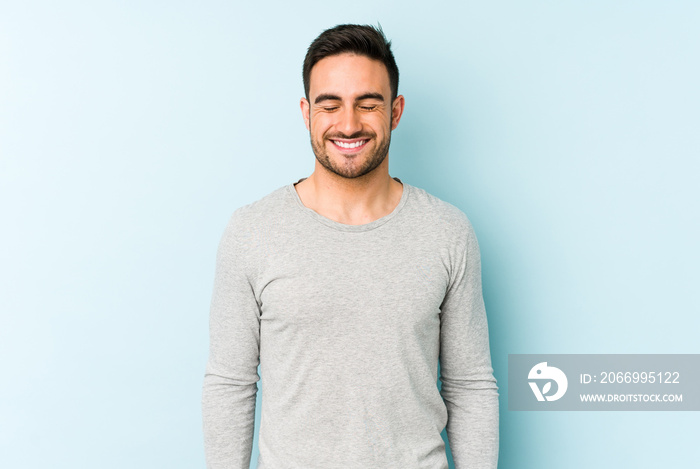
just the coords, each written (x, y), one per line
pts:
(350, 145)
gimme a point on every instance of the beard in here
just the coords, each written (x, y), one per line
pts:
(350, 170)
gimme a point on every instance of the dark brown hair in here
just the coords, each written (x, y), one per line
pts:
(357, 39)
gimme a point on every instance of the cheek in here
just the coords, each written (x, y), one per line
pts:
(382, 124)
(319, 124)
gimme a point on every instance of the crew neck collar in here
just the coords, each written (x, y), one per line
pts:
(342, 226)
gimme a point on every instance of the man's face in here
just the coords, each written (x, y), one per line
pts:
(349, 114)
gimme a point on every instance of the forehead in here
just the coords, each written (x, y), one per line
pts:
(349, 74)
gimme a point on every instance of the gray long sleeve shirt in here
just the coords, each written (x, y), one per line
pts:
(347, 323)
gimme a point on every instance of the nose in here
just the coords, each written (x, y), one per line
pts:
(349, 121)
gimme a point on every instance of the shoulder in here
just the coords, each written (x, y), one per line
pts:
(262, 209)
(249, 223)
(439, 216)
(448, 228)
(261, 214)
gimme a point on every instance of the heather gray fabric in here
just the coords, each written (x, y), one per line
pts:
(348, 322)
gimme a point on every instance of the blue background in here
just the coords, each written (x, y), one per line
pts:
(130, 131)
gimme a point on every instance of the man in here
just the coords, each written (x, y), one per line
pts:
(346, 288)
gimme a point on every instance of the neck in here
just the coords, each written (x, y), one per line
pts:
(351, 201)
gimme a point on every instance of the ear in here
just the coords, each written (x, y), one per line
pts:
(397, 111)
(304, 104)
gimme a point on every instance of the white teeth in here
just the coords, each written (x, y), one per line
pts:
(349, 145)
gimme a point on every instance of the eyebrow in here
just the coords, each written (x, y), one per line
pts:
(333, 97)
(376, 96)
(326, 97)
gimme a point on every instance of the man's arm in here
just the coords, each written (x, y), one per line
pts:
(229, 390)
(468, 385)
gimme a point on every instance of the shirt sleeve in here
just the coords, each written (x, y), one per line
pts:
(468, 385)
(229, 389)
